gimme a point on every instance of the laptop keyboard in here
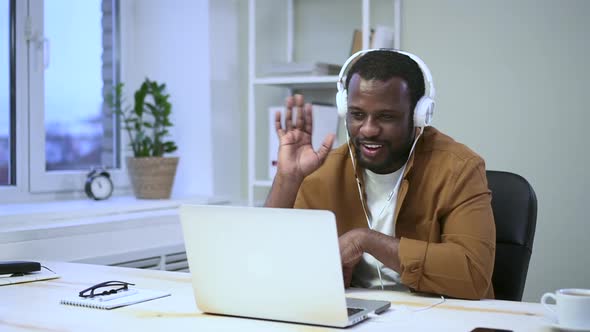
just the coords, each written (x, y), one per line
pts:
(352, 311)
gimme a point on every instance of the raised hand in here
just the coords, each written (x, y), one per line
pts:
(297, 158)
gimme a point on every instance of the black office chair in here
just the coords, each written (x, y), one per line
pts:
(514, 204)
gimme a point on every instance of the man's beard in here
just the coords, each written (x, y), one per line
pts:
(393, 161)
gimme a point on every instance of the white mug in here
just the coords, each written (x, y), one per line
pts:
(573, 307)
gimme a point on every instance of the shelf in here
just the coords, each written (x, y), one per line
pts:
(262, 183)
(295, 82)
(275, 36)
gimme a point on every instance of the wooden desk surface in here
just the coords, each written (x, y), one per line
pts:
(35, 307)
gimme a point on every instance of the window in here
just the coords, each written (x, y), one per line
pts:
(59, 59)
(73, 66)
(80, 68)
(6, 107)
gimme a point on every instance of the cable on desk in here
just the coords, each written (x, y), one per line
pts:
(45, 267)
(404, 311)
(442, 300)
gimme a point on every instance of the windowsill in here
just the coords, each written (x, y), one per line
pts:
(33, 221)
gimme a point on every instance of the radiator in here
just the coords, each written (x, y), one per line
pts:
(170, 258)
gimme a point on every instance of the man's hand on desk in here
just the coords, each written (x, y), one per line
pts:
(360, 240)
(350, 252)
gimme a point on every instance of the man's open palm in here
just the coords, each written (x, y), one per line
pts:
(296, 154)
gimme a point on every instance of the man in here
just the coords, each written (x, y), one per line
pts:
(423, 219)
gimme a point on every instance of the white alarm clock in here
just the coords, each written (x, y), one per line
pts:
(99, 185)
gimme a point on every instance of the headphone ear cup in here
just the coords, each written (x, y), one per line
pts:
(423, 112)
(342, 102)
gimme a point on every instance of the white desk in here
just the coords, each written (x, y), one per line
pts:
(35, 306)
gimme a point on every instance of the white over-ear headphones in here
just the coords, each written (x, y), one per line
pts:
(424, 109)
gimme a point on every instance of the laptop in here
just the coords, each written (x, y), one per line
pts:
(266, 263)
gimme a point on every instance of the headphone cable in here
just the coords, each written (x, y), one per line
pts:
(358, 183)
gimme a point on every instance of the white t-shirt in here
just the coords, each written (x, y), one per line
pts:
(381, 200)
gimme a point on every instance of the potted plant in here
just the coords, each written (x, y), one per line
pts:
(146, 123)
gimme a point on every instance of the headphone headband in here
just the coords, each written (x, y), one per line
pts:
(428, 82)
(424, 107)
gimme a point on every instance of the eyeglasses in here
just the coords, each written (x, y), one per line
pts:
(105, 288)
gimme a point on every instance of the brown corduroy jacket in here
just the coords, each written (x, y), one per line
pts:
(443, 214)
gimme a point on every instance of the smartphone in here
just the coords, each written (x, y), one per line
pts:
(489, 329)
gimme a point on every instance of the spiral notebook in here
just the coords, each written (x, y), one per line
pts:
(121, 299)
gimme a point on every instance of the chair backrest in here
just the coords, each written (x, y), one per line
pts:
(514, 204)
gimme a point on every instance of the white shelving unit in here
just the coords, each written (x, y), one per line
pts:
(299, 82)
(266, 91)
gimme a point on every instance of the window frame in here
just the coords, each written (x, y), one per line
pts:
(12, 93)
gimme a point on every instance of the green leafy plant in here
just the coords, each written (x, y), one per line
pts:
(147, 120)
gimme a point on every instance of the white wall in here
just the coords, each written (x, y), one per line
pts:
(512, 81)
(169, 42)
(227, 112)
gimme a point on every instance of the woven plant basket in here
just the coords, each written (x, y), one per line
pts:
(152, 177)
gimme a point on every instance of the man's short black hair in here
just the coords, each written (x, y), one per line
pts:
(384, 65)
